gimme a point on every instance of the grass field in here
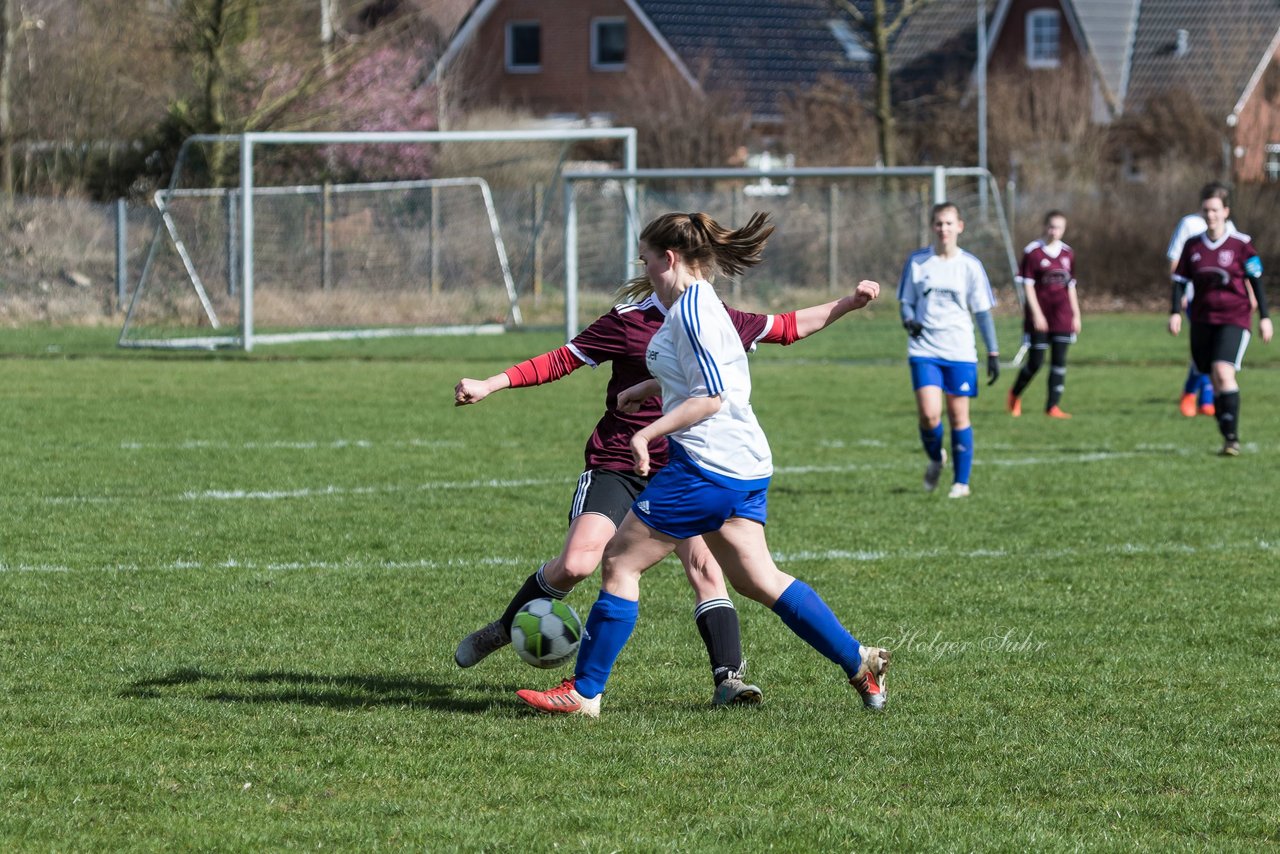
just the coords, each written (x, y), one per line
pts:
(230, 588)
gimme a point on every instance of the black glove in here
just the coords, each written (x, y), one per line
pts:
(913, 327)
(993, 368)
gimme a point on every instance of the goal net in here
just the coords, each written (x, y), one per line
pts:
(834, 226)
(394, 234)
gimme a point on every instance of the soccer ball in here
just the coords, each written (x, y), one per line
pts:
(545, 632)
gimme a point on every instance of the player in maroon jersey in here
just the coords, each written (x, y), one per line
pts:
(608, 486)
(1051, 313)
(1222, 264)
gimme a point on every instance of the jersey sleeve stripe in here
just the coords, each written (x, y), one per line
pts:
(581, 355)
(692, 321)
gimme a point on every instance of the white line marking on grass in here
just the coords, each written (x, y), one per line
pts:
(271, 566)
(285, 445)
(497, 483)
(36, 567)
(327, 491)
(831, 555)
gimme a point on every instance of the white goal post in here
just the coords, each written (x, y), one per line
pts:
(443, 188)
(830, 218)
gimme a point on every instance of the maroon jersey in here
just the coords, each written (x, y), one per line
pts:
(1052, 276)
(1217, 272)
(622, 336)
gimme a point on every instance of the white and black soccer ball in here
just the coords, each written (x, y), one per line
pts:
(546, 632)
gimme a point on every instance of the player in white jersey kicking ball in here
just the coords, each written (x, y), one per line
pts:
(940, 286)
(716, 483)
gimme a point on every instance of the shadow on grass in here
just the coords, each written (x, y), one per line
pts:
(337, 691)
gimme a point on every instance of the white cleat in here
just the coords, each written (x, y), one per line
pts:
(959, 490)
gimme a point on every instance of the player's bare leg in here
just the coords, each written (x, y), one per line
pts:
(743, 553)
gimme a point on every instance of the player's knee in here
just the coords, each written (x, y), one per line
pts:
(580, 564)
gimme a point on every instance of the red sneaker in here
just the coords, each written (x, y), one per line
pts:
(1187, 406)
(1208, 409)
(564, 700)
(1014, 404)
(1055, 412)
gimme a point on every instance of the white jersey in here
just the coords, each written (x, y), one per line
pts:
(942, 292)
(1188, 227)
(697, 352)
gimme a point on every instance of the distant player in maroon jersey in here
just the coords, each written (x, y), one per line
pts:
(1051, 313)
(1221, 264)
(609, 485)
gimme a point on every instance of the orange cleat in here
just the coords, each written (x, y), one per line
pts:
(562, 700)
(1055, 412)
(1207, 409)
(1014, 404)
(1187, 406)
(869, 680)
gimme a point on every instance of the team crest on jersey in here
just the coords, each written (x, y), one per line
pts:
(1225, 257)
(1044, 262)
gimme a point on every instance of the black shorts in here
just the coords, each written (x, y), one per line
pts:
(609, 493)
(1212, 342)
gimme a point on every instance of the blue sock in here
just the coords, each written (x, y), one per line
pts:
(609, 627)
(932, 441)
(808, 616)
(962, 453)
(1205, 392)
(1192, 383)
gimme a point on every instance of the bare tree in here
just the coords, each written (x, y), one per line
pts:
(875, 31)
(7, 22)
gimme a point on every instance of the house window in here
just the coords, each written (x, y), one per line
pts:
(609, 44)
(1044, 31)
(524, 46)
(1272, 166)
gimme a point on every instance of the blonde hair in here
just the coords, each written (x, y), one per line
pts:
(703, 243)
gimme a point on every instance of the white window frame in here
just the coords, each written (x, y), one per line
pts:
(596, 24)
(1034, 58)
(511, 66)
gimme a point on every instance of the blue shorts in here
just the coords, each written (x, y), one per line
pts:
(958, 379)
(682, 503)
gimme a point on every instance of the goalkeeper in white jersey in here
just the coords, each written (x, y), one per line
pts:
(942, 289)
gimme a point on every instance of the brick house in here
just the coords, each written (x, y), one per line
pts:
(579, 59)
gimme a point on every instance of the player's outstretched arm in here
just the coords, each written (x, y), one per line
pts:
(818, 317)
(801, 323)
(469, 391)
(546, 368)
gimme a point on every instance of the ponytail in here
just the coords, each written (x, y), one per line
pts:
(702, 242)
